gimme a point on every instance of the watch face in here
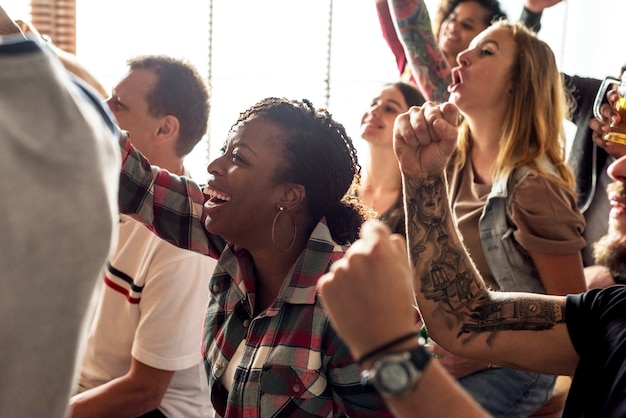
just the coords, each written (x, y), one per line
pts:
(394, 377)
(397, 373)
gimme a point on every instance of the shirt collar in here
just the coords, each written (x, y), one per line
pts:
(300, 284)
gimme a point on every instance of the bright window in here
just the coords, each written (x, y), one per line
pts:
(280, 48)
(259, 49)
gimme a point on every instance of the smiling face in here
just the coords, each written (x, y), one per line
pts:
(461, 26)
(616, 193)
(243, 189)
(610, 250)
(377, 122)
(482, 81)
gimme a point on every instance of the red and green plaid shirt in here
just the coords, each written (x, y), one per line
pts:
(293, 363)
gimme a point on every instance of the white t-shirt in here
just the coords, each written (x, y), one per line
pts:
(151, 306)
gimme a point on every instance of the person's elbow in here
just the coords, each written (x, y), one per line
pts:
(149, 385)
(151, 397)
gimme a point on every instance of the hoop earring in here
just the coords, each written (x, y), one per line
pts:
(295, 231)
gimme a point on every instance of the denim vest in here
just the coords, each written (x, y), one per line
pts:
(510, 264)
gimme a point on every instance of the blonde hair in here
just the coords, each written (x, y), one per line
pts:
(533, 124)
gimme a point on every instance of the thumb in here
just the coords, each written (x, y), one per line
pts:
(448, 132)
(450, 113)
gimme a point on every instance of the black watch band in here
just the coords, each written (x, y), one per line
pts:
(420, 357)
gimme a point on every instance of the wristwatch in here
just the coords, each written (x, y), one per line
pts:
(396, 374)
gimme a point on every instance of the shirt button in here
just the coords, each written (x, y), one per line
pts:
(218, 366)
(216, 288)
(296, 388)
(246, 323)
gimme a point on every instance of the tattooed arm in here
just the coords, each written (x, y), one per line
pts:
(513, 329)
(428, 64)
(368, 295)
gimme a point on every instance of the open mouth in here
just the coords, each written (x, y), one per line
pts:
(457, 79)
(617, 203)
(216, 197)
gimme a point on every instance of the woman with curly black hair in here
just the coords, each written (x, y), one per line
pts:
(277, 214)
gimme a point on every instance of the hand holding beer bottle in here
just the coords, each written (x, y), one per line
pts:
(617, 99)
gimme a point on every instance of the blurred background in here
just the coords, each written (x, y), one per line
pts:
(328, 51)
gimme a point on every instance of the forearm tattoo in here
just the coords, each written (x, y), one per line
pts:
(445, 274)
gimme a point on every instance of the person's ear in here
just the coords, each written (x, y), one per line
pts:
(293, 196)
(169, 129)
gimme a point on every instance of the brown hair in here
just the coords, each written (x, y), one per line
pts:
(533, 124)
(180, 91)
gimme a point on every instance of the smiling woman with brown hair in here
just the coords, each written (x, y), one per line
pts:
(277, 214)
(381, 182)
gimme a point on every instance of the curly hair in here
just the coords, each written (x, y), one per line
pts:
(319, 155)
(446, 7)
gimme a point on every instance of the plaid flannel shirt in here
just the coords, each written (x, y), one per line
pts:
(294, 363)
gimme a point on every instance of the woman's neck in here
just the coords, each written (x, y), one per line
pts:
(485, 126)
(451, 60)
(381, 180)
(381, 171)
(272, 263)
(485, 134)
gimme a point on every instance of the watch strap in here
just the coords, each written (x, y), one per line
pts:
(420, 357)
